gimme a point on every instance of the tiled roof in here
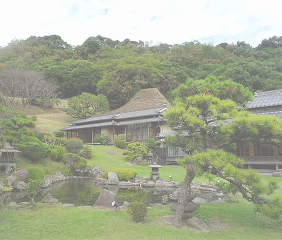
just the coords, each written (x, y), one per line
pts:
(96, 118)
(171, 133)
(143, 120)
(76, 127)
(274, 113)
(266, 99)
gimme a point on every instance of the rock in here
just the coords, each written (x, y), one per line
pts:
(122, 183)
(220, 195)
(78, 172)
(105, 199)
(101, 181)
(111, 152)
(48, 181)
(190, 206)
(20, 174)
(199, 224)
(217, 201)
(1, 184)
(95, 172)
(10, 180)
(113, 178)
(206, 189)
(13, 203)
(67, 205)
(131, 164)
(148, 184)
(20, 186)
(49, 199)
(137, 179)
(125, 204)
(199, 200)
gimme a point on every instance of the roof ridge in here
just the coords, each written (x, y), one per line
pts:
(142, 109)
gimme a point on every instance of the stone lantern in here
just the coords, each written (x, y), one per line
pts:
(150, 157)
(155, 175)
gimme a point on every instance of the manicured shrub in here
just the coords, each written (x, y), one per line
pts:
(74, 161)
(120, 137)
(74, 145)
(138, 211)
(34, 173)
(124, 174)
(33, 118)
(87, 151)
(60, 151)
(52, 154)
(33, 148)
(120, 144)
(103, 139)
(149, 143)
(135, 150)
(59, 133)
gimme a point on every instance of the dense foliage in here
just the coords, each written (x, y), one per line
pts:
(120, 144)
(74, 145)
(87, 152)
(34, 173)
(138, 211)
(135, 150)
(124, 174)
(74, 161)
(119, 69)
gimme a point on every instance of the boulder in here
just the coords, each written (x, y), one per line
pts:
(67, 205)
(198, 223)
(20, 174)
(1, 184)
(111, 152)
(49, 199)
(10, 180)
(20, 186)
(13, 203)
(188, 210)
(199, 200)
(137, 179)
(125, 204)
(105, 199)
(95, 172)
(148, 184)
(277, 174)
(113, 178)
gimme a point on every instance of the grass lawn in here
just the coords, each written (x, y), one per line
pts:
(44, 221)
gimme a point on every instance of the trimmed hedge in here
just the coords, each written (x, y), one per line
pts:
(61, 152)
(138, 211)
(34, 173)
(74, 161)
(120, 144)
(124, 174)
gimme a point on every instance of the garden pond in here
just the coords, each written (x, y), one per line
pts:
(85, 192)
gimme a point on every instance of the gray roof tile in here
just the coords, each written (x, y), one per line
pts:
(266, 99)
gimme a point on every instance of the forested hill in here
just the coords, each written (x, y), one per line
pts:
(120, 69)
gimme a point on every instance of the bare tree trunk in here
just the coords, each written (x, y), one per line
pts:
(184, 195)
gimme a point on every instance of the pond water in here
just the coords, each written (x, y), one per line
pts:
(84, 192)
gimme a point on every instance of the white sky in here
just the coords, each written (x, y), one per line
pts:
(164, 21)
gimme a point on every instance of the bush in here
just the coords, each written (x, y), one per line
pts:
(120, 137)
(34, 173)
(52, 154)
(134, 151)
(103, 139)
(120, 144)
(33, 118)
(138, 211)
(149, 143)
(87, 151)
(59, 133)
(74, 161)
(124, 174)
(74, 145)
(61, 152)
(33, 148)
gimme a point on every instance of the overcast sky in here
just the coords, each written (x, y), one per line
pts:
(163, 21)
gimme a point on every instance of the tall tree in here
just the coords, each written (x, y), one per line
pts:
(208, 119)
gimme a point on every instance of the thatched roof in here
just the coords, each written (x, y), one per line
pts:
(145, 98)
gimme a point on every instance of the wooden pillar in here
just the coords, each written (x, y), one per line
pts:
(275, 150)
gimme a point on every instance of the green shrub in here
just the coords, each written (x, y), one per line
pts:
(74, 145)
(58, 133)
(61, 152)
(34, 173)
(149, 143)
(150, 149)
(52, 154)
(138, 211)
(87, 151)
(134, 151)
(120, 137)
(33, 148)
(103, 139)
(120, 144)
(74, 161)
(124, 174)
(33, 118)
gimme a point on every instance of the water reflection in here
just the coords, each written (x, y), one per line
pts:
(84, 191)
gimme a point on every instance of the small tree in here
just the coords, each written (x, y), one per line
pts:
(74, 145)
(135, 150)
(86, 105)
